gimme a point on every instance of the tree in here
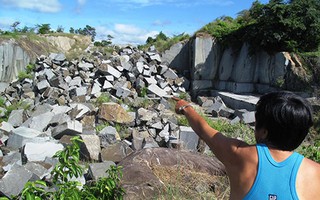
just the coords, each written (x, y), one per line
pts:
(285, 25)
(60, 29)
(150, 40)
(304, 23)
(14, 26)
(88, 30)
(43, 28)
(71, 30)
(161, 36)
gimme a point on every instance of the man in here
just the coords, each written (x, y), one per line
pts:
(269, 169)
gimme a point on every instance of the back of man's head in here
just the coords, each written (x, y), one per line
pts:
(286, 116)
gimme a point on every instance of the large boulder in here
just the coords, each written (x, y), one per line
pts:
(139, 178)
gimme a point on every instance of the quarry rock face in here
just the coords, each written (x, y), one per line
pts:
(12, 60)
(214, 67)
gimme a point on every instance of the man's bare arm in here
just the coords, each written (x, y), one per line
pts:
(223, 147)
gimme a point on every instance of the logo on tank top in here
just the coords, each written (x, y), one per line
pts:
(272, 197)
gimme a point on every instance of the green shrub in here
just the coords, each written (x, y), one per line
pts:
(68, 165)
(69, 190)
(30, 68)
(143, 92)
(221, 28)
(2, 102)
(23, 75)
(182, 121)
(311, 151)
(162, 42)
(28, 73)
(107, 187)
(184, 96)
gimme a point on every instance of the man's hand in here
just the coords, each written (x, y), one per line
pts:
(180, 105)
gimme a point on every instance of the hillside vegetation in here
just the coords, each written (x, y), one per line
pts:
(292, 26)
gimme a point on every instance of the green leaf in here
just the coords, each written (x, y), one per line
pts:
(28, 196)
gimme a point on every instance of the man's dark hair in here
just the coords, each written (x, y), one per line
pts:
(286, 116)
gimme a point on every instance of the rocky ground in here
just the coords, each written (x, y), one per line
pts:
(121, 108)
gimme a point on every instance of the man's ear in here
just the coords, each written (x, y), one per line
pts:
(264, 134)
(261, 135)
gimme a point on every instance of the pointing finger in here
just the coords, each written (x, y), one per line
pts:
(176, 98)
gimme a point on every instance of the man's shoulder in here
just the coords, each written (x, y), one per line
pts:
(311, 168)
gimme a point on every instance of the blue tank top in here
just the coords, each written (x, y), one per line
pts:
(275, 180)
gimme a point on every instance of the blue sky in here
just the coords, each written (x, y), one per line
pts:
(128, 21)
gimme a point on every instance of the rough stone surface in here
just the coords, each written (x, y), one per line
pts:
(39, 151)
(189, 137)
(114, 112)
(17, 117)
(116, 152)
(90, 149)
(72, 127)
(20, 136)
(13, 182)
(97, 170)
(13, 59)
(139, 180)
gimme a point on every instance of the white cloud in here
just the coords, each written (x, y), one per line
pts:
(50, 6)
(124, 34)
(5, 23)
(161, 23)
(127, 29)
(81, 2)
(178, 3)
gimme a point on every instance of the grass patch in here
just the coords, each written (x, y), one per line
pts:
(23, 75)
(311, 151)
(102, 126)
(103, 98)
(237, 130)
(14, 106)
(183, 183)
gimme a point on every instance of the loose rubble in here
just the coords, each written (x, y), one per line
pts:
(63, 100)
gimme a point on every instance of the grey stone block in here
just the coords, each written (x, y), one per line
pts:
(98, 170)
(85, 66)
(43, 85)
(41, 122)
(20, 136)
(37, 169)
(109, 135)
(34, 151)
(69, 128)
(17, 117)
(90, 148)
(153, 88)
(116, 152)
(189, 138)
(14, 180)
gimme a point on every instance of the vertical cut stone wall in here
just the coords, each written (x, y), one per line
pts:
(13, 59)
